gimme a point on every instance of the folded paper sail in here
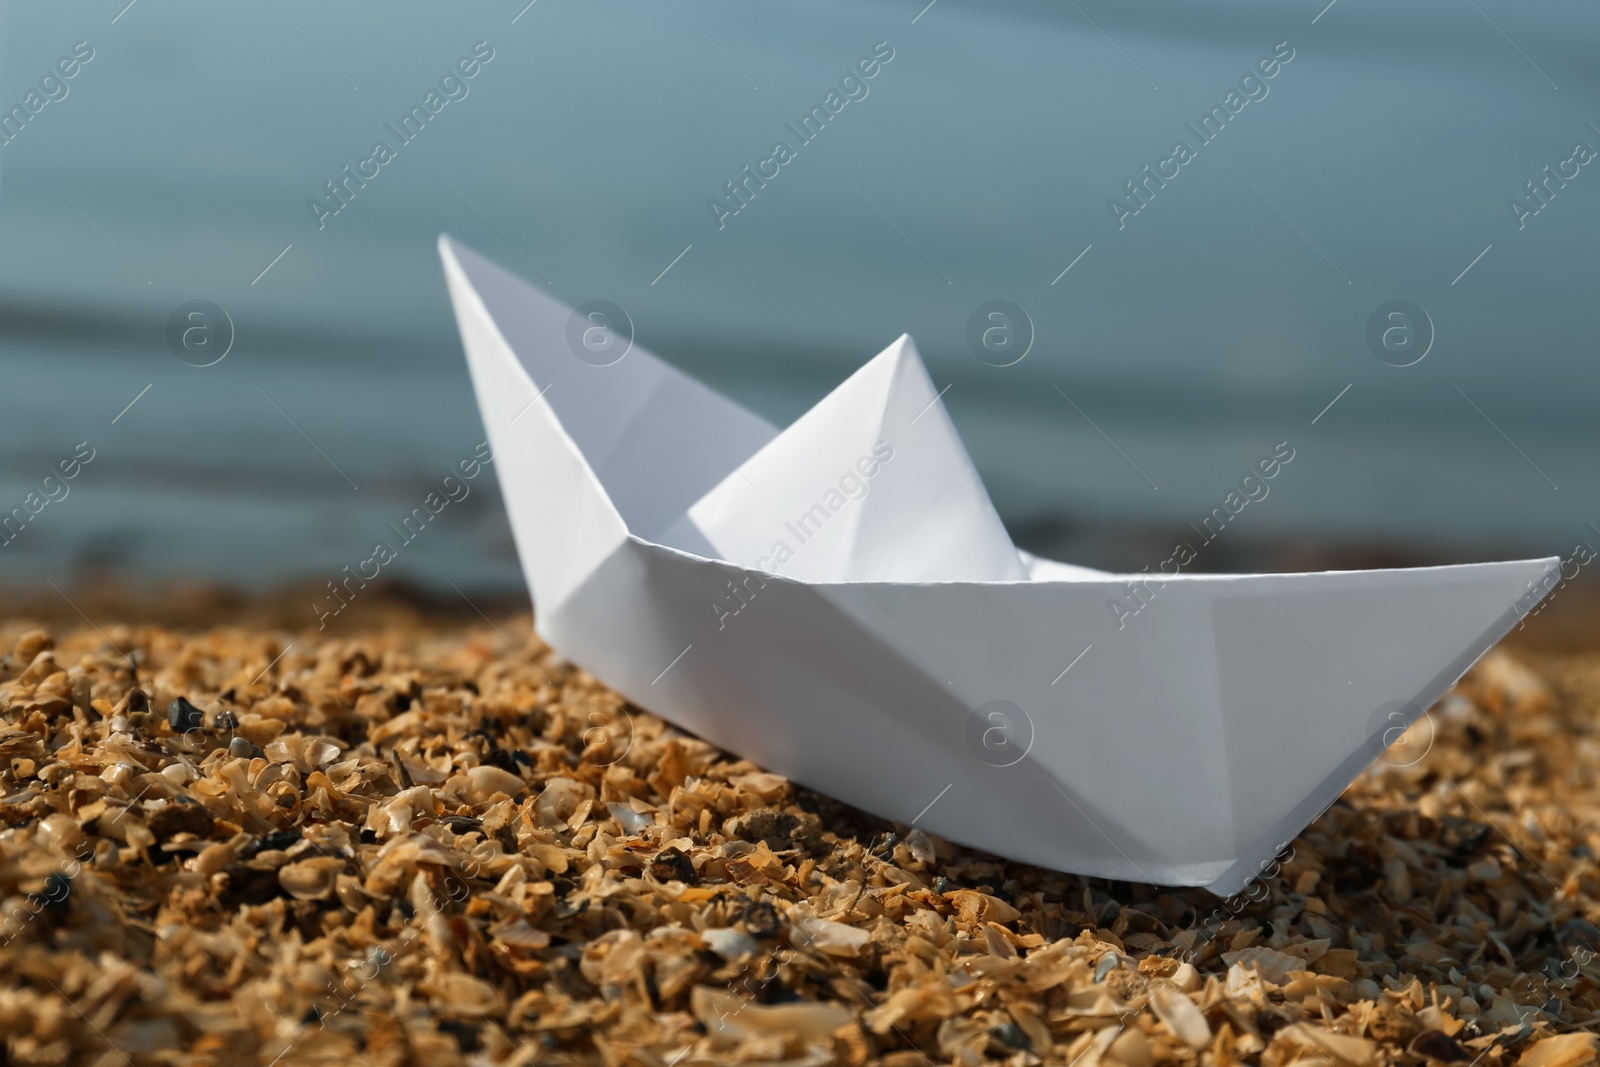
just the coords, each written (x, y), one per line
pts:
(840, 603)
(873, 483)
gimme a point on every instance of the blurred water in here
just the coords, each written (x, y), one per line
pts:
(1219, 321)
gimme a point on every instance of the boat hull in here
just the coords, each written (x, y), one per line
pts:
(1186, 747)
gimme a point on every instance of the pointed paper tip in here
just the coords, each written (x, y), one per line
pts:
(902, 362)
(453, 255)
(468, 260)
(900, 354)
(903, 347)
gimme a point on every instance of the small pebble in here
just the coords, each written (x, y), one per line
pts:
(670, 864)
(184, 716)
(276, 841)
(239, 748)
(1011, 1036)
(57, 888)
(761, 920)
(1437, 1046)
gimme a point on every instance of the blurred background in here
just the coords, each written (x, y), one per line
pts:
(1166, 351)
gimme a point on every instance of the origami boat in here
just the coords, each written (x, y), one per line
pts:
(840, 603)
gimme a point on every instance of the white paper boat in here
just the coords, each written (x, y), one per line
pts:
(900, 654)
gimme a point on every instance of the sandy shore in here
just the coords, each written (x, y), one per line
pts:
(431, 841)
